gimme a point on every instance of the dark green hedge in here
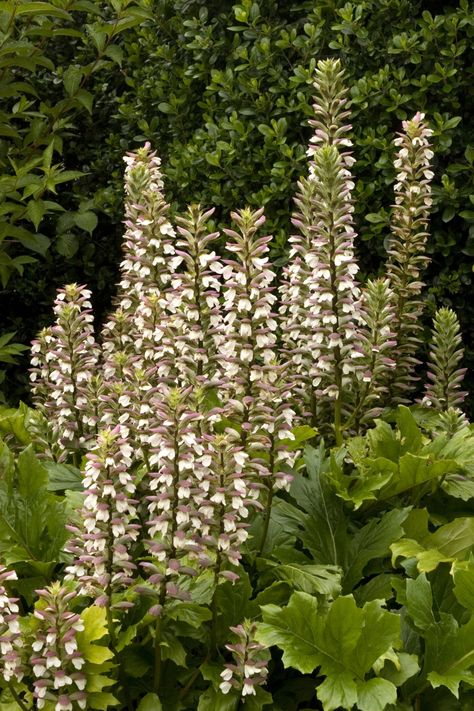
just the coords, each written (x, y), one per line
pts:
(223, 91)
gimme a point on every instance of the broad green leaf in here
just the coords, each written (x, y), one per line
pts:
(275, 594)
(12, 421)
(301, 434)
(377, 588)
(448, 648)
(172, 648)
(311, 579)
(98, 36)
(35, 211)
(32, 521)
(101, 701)
(452, 541)
(460, 487)
(451, 656)
(232, 601)
(98, 682)
(72, 78)
(463, 575)
(366, 485)
(213, 700)
(407, 666)
(85, 98)
(36, 242)
(413, 471)
(67, 244)
(32, 475)
(285, 521)
(36, 9)
(135, 659)
(86, 220)
(375, 694)
(419, 602)
(63, 476)
(294, 630)
(410, 434)
(336, 691)
(115, 53)
(372, 541)
(344, 641)
(454, 538)
(383, 442)
(150, 702)
(459, 448)
(189, 612)
(95, 626)
(96, 654)
(323, 530)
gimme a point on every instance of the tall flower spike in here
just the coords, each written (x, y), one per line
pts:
(199, 287)
(330, 128)
(149, 233)
(224, 502)
(443, 389)
(249, 321)
(375, 344)
(57, 663)
(11, 666)
(149, 257)
(330, 110)
(331, 303)
(172, 510)
(103, 563)
(295, 324)
(407, 248)
(64, 362)
(249, 668)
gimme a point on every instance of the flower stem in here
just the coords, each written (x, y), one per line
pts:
(266, 519)
(158, 660)
(17, 698)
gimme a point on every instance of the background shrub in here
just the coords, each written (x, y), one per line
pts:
(221, 90)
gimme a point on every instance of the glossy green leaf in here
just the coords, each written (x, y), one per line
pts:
(311, 579)
(374, 540)
(72, 78)
(86, 220)
(32, 521)
(463, 576)
(150, 702)
(345, 642)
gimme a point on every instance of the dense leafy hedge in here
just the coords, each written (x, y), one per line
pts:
(221, 90)
(50, 55)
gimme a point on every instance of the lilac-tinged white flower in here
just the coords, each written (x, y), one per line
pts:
(11, 643)
(65, 359)
(101, 544)
(57, 664)
(406, 249)
(248, 669)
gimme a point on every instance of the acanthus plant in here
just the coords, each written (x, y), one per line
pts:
(189, 412)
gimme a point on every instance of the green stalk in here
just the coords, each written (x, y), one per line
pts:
(172, 553)
(266, 520)
(157, 655)
(17, 698)
(268, 507)
(217, 568)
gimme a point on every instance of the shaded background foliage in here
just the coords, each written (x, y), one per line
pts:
(223, 92)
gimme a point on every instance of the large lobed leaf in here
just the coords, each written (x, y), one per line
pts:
(344, 641)
(32, 520)
(448, 647)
